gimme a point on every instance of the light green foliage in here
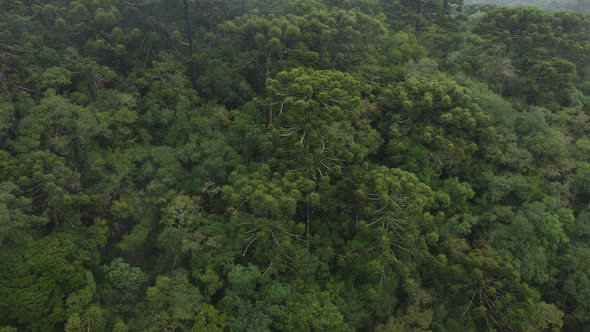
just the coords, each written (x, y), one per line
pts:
(91, 320)
(38, 281)
(183, 212)
(436, 113)
(533, 238)
(123, 276)
(8, 329)
(319, 120)
(209, 319)
(268, 195)
(314, 311)
(173, 299)
(55, 77)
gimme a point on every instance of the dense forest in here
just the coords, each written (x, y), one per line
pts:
(293, 165)
(546, 4)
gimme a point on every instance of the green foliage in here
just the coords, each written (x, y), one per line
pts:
(539, 233)
(545, 4)
(123, 276)
(434, 113)
(173, 301)
(320, 126)
(42, 279)
(321, 165)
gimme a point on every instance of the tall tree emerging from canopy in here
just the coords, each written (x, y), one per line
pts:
(432, 113)
(320, 125)
(320, 121)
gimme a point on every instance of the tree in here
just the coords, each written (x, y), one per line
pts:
(539, 233)
(123, 276)
(320, 125)
(172, 302)
(435, 113)
(320, 121)
(43, 280)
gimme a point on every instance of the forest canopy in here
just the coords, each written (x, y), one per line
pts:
(294, 165)
(545, 4)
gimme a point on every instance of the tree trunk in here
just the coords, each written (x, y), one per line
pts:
(189, 37)
(307, 222)
(269, 110)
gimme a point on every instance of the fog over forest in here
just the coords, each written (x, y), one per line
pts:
(545, 4)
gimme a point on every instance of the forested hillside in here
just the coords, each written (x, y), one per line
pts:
(546, 4)
(293, 165)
